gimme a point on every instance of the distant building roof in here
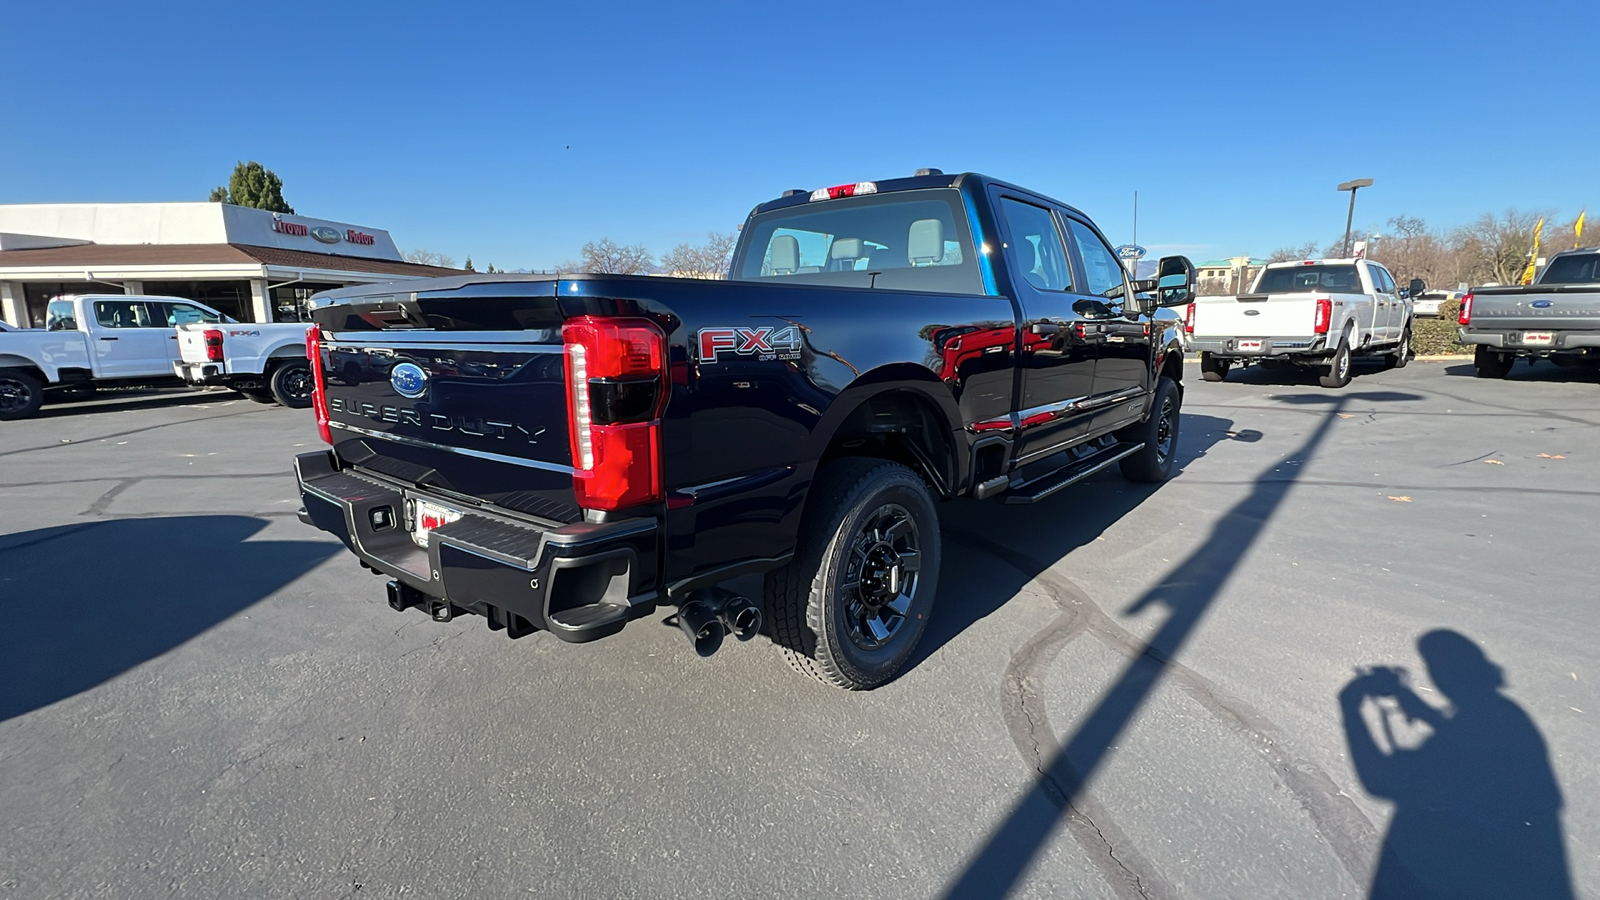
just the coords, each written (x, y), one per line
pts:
(208, 254)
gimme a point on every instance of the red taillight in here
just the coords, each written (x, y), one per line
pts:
(845, 190)
(213, 345)
(1466, 311)
(1188, 320)
(616, 389)
(1323, 316)
(319, 390)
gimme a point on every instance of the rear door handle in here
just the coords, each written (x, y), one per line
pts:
(111, 339)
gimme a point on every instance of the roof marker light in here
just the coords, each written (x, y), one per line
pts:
(844, 190)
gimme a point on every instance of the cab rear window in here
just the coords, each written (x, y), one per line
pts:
(1298, 279)
(906, 240)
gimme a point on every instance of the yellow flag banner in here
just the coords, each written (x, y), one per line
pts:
(1577, 231)
(1533, 258)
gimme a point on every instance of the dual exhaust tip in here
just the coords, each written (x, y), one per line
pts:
(710, 614)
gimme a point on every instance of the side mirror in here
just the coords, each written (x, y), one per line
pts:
(1416, 287)
(1174, 281)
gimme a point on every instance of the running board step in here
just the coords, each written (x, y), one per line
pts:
(588, 623)
(1040, 488)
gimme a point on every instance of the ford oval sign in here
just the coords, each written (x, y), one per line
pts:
(326, 235)
(1130, 251)
(1540, 304)
(409, 380)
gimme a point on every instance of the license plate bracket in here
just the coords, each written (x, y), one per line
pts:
(1538, 338)
(426, 516)
(1251, 346)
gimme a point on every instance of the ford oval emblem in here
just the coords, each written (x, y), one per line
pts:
(409, 380)
(1540, 304)
(327, 235)
(1252, 312)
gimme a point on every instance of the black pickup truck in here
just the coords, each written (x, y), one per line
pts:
(1555, 318)
(568, 453)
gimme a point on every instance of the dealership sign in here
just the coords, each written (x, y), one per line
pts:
(327, 234)
(1130, 251)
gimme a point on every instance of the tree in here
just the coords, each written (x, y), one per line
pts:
(604, 257)
(253, 185)
(426, 257)
(708, 260)
(1495, 248)
(468, 265)
(1308, 250)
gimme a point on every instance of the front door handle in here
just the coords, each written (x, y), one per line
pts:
(110, 339)
(1044, 328)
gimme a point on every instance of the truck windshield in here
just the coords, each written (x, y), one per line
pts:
(905, 240)
(1583, 269)
(1314, 278)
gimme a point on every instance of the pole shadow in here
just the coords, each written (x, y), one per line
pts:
(85, 603)
(1477, 809)
(1186, 593)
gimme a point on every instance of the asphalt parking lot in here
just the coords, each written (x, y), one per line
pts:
(205, 698)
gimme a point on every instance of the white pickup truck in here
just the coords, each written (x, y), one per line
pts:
(266, 362)
(93, 340)
(1315, 313)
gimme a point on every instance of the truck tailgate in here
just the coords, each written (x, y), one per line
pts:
(1255, 315)
(479, 415)
(192, 343)
(1536, 308)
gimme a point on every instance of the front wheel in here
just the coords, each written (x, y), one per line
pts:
(1214, 368)
(849, 609)
(1337, 373)
(1402, 354)
(1159, 434)
(1492, 364)
(292, 383)
(21, 394)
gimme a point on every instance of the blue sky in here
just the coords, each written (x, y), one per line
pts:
(514, 133)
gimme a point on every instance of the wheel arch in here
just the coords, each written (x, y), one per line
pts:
(902, 413)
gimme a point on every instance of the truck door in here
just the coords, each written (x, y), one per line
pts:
(1055, 358)
(126, 343)
(171, 313)
(1391, 314)
(1124, 364)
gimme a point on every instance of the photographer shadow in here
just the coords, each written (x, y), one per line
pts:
(1477, 809)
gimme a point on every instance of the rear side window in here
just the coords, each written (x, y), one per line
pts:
(122, 314)
(904, 240)
(1036, 247)
(1297, 279)
(59, 316)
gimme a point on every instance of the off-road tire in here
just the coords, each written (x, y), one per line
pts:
(21, 394)
(806, 600)
(1159, 433)
(1213, 368)
(1402, 354)
(1488, 363)
(291, 384)
(1336, 374)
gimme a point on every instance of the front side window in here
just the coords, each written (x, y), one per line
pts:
(903, 240)
(1381, 280)
(171, 314)
(121, 314)
(1101, 269)
(1036, 247)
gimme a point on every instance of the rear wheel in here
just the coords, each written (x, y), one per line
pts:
(21, 394)
(1491, 363)
(292, 384)
(1337, 373)
(1214, 368)
(849, 609)
(1159, 434)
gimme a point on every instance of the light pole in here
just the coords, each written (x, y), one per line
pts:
(1352, 187)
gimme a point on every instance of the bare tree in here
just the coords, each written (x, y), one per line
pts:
(1308, 250)
(426, 257)
(1495, 247)
(1214, 287)
(605, 257)
(707, 260)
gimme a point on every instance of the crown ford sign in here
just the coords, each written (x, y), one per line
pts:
(327, 234)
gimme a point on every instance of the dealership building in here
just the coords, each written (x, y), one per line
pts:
(253, 265)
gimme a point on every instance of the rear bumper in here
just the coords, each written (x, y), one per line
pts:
(1575, 341)
(1270, 346)
(198, 373)
(580, 582)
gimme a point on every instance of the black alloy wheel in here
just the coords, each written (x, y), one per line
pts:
(21, 395)
(1489, 363)
(1214, 368)
(1159, 434)
(850, 607)
(292, 384)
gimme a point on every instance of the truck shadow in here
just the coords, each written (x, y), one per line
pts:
(1540, 370)
(972, 585)
(85, 603)
(120, 401)
(1185, 593)
(1477, 806)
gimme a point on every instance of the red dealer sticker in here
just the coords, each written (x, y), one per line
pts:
(762, 342)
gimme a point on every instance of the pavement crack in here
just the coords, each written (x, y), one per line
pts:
(101, 504)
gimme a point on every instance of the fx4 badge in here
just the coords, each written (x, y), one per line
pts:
(763, 343)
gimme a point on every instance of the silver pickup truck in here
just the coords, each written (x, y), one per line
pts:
(1556, 318)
